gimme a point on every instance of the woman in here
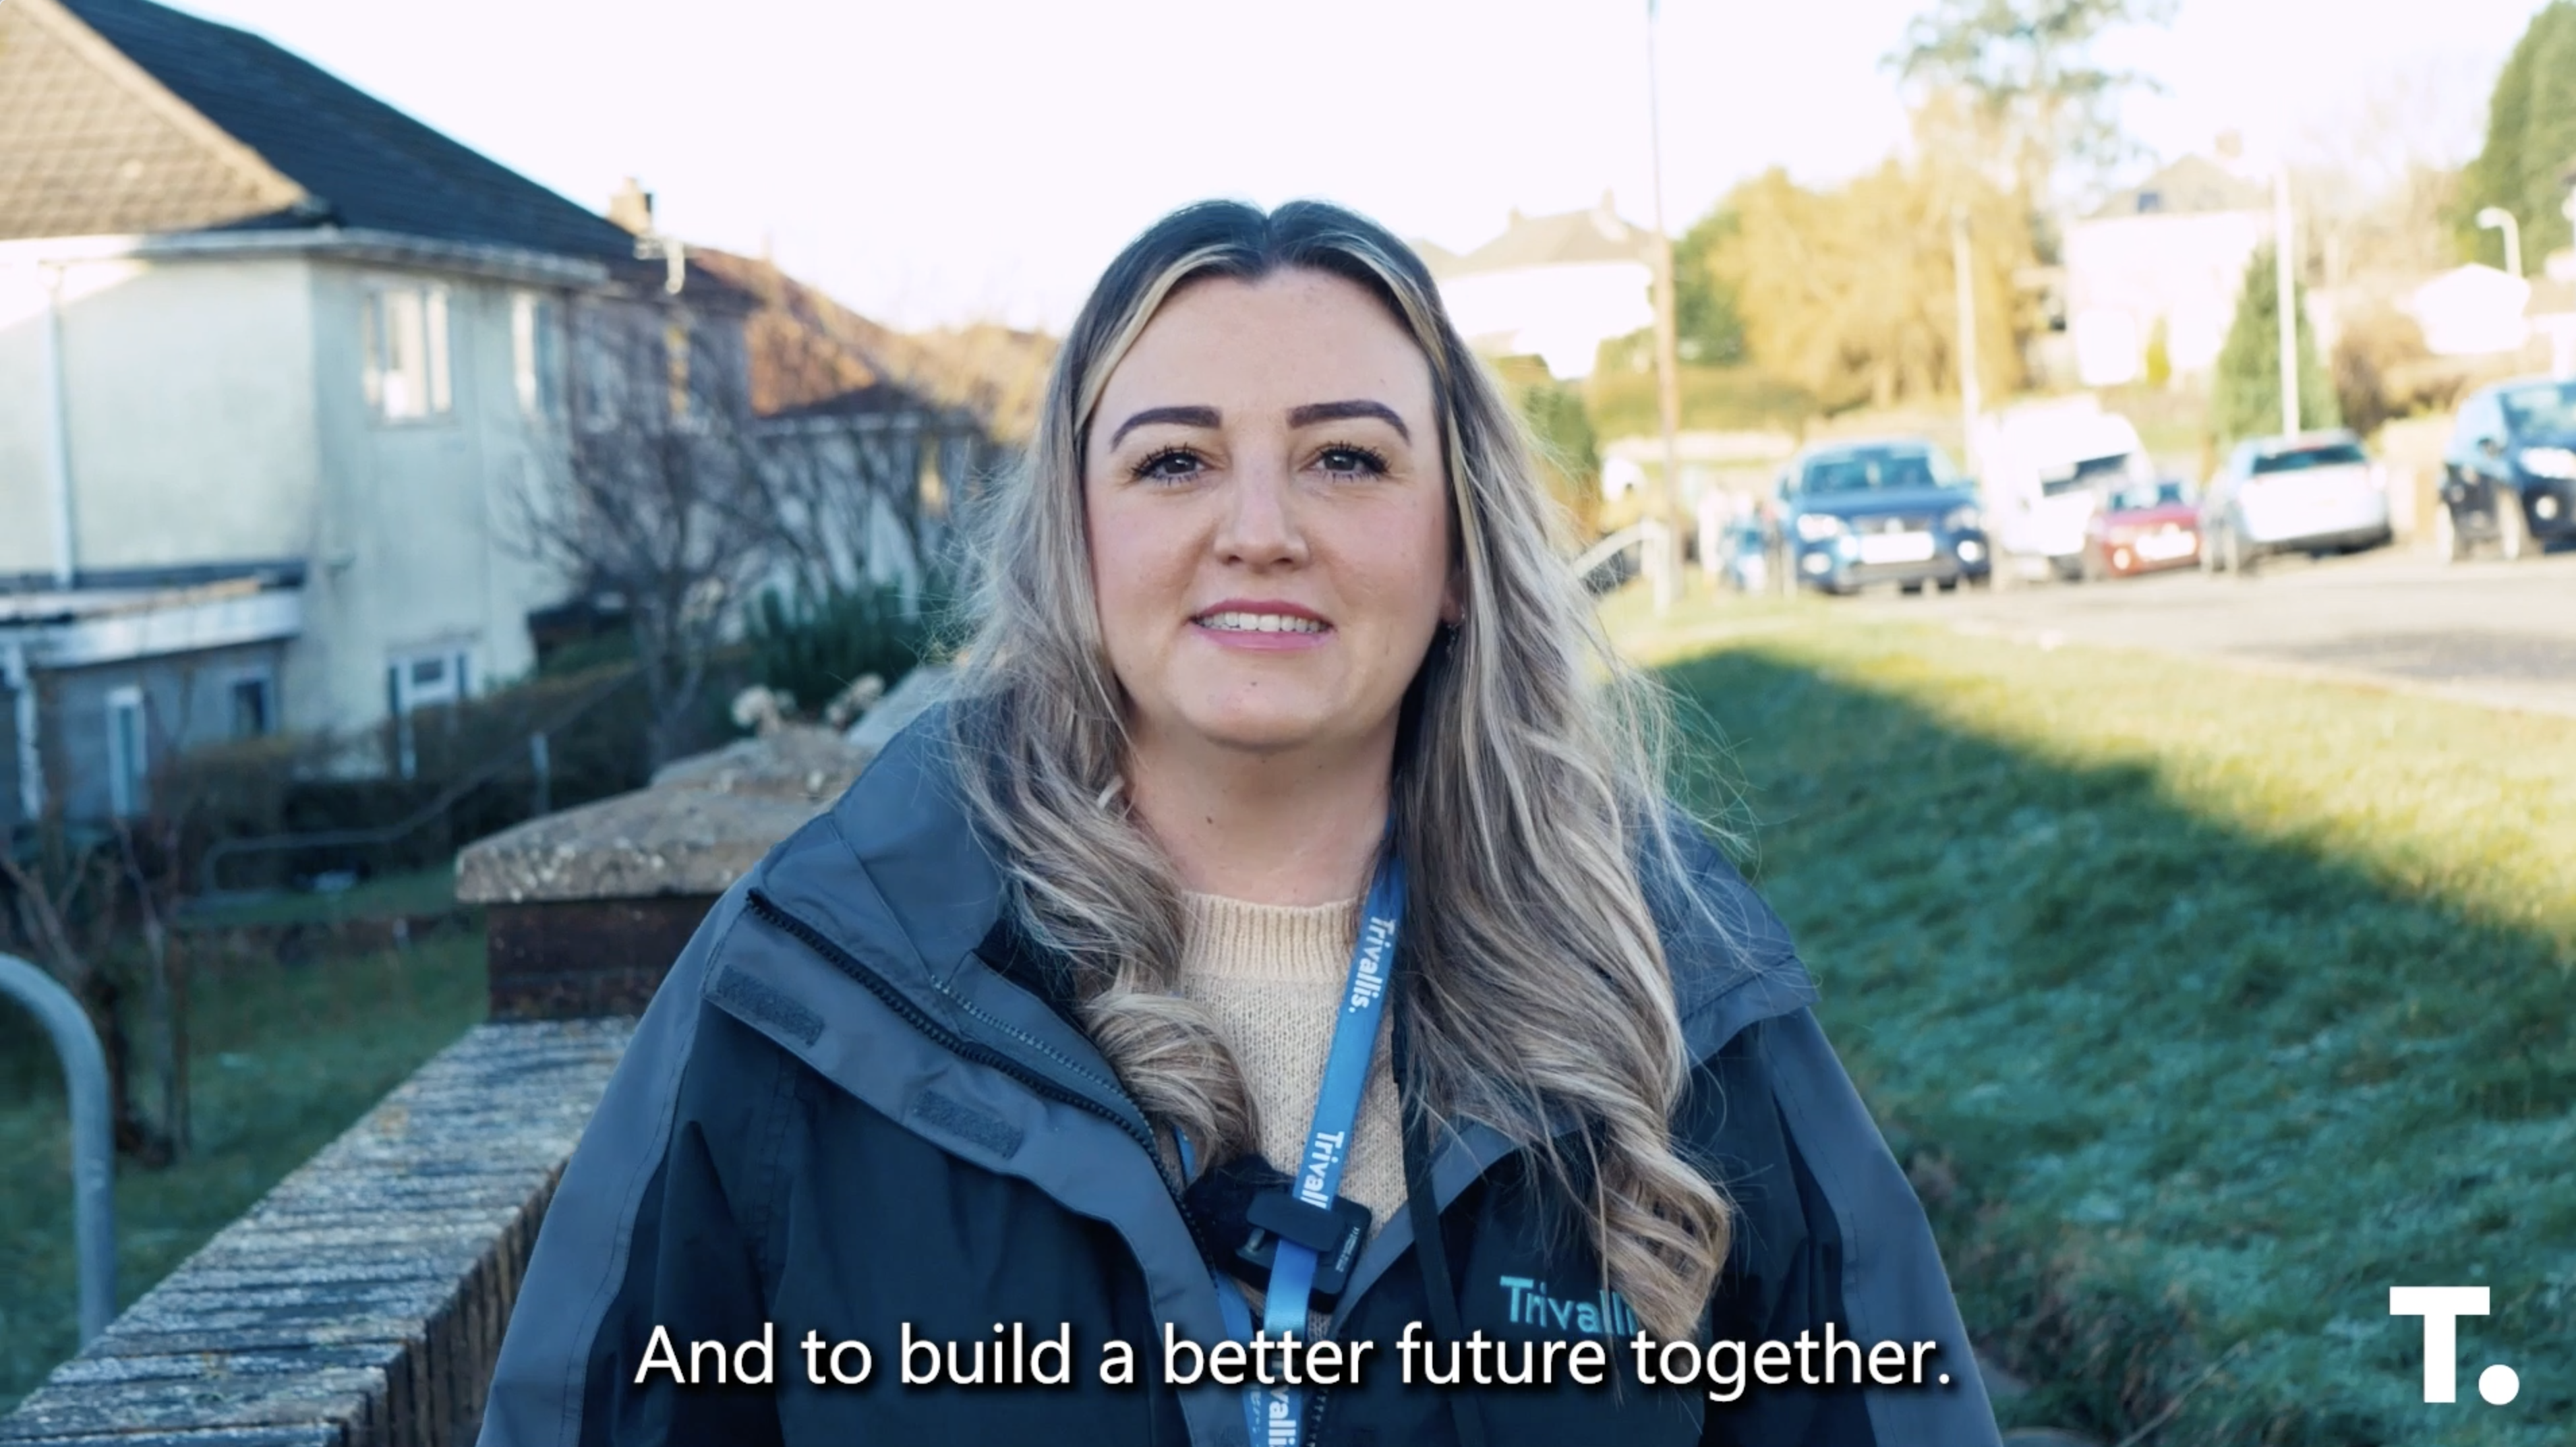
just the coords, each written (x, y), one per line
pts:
(1282, 933)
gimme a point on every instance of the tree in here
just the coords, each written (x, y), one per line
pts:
(1850, 293)
(1708, 320)
(659, 503)
(1564, 443)
(2245, 398)
(2029, 66)
(92, 911)
(2531, 140)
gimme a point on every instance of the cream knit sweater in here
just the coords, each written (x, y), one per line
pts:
(1272, 975)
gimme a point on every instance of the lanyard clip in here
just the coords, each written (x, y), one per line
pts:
(1334, 1233)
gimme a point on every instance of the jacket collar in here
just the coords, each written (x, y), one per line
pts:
(897, 873)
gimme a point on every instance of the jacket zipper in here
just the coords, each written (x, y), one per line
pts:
(965, 1049)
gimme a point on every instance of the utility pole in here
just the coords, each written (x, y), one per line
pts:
(1664, 563)
(2285, 283)
(1970, 403)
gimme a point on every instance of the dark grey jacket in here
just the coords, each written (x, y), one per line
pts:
(860, 1104)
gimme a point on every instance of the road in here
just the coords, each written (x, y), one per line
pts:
(2501, 634)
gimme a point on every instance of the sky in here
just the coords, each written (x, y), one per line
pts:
(938, 161)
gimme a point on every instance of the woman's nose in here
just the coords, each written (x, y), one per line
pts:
(1260, 525)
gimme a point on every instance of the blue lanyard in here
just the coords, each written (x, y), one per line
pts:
(1273, 1414)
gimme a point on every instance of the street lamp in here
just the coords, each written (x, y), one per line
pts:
(1964, 288)
(2495, 218)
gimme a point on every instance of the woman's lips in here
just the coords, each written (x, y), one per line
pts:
(1262, 630)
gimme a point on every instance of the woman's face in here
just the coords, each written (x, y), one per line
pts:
(1269, 516)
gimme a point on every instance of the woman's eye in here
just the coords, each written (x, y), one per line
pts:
(1172, 464)
(1351, 462)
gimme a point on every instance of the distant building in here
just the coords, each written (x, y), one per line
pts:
(1554, 287)
(274, 360)
(877, 437)
(2472, 311)
(2170, 252)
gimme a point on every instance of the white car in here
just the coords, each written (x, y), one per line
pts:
(2047, 467)
(2318, 492)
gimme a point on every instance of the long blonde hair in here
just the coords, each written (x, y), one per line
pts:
(1526, 791)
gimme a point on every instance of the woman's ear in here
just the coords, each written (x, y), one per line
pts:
(1453, 599)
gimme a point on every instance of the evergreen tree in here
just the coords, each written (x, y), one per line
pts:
(1707, 322)
(2531, 142)
(2245, 398)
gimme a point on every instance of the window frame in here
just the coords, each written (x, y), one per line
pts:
(403, 701)
(537, 375)
(265, 682)
(378, 343)
(129, 757)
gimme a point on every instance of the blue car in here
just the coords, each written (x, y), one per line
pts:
(1895, 511)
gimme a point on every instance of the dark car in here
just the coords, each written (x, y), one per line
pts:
(2509, 475)
(1857, 513)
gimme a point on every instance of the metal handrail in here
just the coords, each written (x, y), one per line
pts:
(93, 1145)
(1617, 543)
(501, 762)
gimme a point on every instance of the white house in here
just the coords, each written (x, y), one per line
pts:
(2170, 251)
(2471, 311)
(1555, 287)
(275, 362)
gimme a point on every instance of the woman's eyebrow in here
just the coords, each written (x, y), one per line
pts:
(1314, 412)
(1184, 416)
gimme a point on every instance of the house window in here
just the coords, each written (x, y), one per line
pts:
(536, 365)
(417, 681)
(406, 352)
(252, 706)
(128, 754)
(675, 356)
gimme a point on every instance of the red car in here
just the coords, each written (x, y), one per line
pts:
(2141, 529)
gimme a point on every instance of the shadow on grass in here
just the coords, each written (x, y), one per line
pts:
(2184, 1102)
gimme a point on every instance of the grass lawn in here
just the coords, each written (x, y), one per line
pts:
(421, 892)
(285, 1057)
(2203, 1007)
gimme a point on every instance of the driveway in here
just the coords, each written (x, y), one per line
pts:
(2502, 634)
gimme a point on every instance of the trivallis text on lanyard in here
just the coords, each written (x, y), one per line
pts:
(1273, 1414)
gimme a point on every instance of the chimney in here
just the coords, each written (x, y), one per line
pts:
(632, 207)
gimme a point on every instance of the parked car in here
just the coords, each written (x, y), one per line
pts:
(2315, 493)
(2140, 529)
(1891, 511)
(2509, 474)
(2047, 466)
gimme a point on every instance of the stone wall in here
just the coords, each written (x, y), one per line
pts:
(361, 1302)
